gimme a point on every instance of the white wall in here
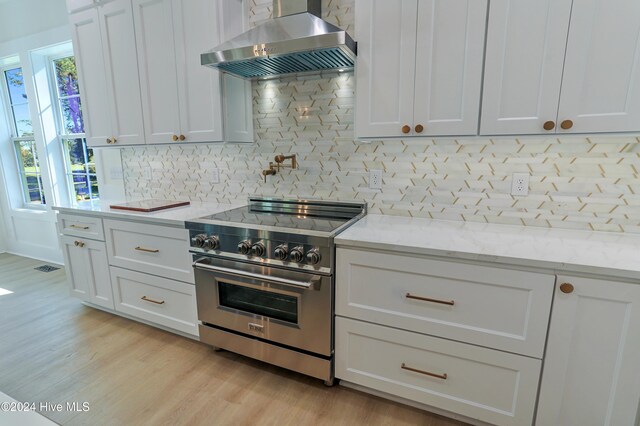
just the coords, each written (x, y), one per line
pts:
(21, 18)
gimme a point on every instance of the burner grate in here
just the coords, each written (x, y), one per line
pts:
(46, 268)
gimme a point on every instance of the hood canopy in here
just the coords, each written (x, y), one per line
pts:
(301, 42)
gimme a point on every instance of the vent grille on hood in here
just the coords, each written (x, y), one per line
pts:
(291, 63)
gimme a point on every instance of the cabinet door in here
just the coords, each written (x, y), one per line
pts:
(153, 21)
(526, 42)
(196, 31)
(88, 270)
(94, 95)
(601, 82)
(449, 54)
(591, 372)
(121, 66)
(385, 71)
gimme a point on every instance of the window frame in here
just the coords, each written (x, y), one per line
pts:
(63, 136)
(15, 140)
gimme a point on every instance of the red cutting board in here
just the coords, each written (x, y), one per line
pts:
(148, 206)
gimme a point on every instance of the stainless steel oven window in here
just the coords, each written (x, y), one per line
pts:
(254, 301)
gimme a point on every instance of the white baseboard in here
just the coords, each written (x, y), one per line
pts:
(41, 258)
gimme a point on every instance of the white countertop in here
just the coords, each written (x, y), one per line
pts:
(175, 216)
(563, 251)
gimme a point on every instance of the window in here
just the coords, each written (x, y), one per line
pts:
(22, 135)
(79, 160)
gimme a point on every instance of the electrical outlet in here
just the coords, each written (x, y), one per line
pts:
(520, 184)
(147, 173)
(215, 175)
(375, 179)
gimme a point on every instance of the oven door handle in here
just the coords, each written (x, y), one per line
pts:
(312, 283)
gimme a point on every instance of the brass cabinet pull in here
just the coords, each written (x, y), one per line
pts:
(428, 299)
(78, 244)
(147, 250)
(79, 227)
(426, 373)
(114, 139)
(175, 138)
(406, 129)
(146, 299)
(419, 128)
(182, 137)
(549, 125)
(566, 124)
(109, 141)
(566, 288)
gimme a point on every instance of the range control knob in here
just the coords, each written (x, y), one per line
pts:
(211, 243)
(244, 247)
(281, 252)
(258, 249)
(198, 240)
(297, 254)
(313, 256)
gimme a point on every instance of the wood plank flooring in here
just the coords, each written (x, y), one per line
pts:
(54, 349)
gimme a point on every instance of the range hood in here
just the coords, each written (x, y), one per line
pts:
(295, 41)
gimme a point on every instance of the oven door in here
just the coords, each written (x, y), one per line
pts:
(286, 307)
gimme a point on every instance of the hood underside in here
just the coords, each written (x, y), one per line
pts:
(289, 44)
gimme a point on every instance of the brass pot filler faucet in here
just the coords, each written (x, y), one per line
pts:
(275, 167)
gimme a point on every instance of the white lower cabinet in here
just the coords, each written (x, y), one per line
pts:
(87, 270)
(592, 365)
(484, 384)
(158, 300)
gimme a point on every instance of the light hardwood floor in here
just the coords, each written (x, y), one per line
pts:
(54, 349)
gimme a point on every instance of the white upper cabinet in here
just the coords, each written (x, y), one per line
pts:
(523, 66)
(419, 67)
(153, 22)
(108, 74)
(562, 66)
(601, 81)
(591, 374)
(448, 78)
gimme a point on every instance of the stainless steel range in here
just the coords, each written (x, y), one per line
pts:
(265, 280)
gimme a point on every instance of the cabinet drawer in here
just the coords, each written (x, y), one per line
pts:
(484, 384)
(81, 226)
(498, 308)
(158, 300)
(154, 249)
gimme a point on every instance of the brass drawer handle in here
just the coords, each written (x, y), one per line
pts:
(147, 250)
(426, 373)
(79, 227)
(78, 244)
(146, 299)
(428, 299)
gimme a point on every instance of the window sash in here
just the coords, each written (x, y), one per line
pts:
(24, 174)
(89, 177)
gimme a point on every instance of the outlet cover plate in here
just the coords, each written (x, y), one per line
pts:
(520, 184)
(215, 175)
(375, 179)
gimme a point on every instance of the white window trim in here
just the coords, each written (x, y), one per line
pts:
(8, 112)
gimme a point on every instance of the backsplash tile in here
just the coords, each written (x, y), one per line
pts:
(576, 182)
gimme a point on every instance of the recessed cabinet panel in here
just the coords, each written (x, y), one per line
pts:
(94, 93)
(121, 65)
(449, 54)
(525, 52)
(153, 21)
(601, 82)
(592, 370)
(385, 71)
